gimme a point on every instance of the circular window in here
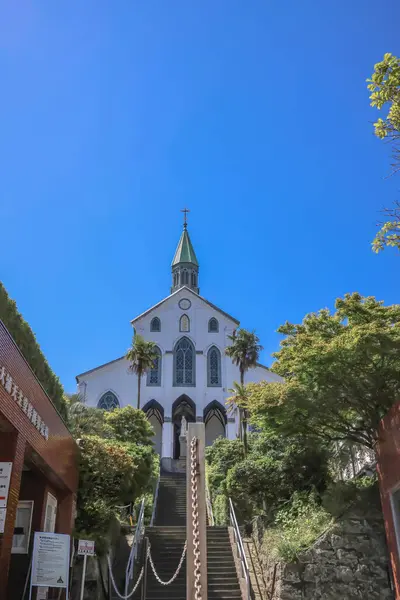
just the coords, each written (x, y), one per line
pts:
(184, 304)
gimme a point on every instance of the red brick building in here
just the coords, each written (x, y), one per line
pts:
(44, 477)
(389, 480)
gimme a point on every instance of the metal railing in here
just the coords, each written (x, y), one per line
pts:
(134, 549)
(153, 514)
(209, 507)
(240, 550)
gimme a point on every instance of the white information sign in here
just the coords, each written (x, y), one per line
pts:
(5, 476)
(85, 548)
(50, 560)
(3, 512)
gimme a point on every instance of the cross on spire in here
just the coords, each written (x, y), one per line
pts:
(185, 211)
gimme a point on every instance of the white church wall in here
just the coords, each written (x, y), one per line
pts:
(117, 378)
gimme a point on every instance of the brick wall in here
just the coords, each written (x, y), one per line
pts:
(59, 451)
(53, 460)
(389, 477)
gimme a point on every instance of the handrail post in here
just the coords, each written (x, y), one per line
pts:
(144, 580)
(196, 430)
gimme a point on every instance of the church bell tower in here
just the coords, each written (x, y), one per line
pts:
(185, 268)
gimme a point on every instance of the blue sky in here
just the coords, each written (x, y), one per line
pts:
(253, 114)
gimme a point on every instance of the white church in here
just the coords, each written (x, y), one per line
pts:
(192, 375)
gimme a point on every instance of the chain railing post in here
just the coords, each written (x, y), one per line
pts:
(144, 580)
(196, 523)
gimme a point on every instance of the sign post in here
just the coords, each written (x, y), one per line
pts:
(85, 549)
(50, 561)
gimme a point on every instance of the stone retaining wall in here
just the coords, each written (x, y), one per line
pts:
(349, 561)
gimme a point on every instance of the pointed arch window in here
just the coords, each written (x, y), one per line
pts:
(214, 367)
(184, 363)
(108, 401)
(155, 324)
(184, 324)
(154, 375)
(194, 279)
(213, 325)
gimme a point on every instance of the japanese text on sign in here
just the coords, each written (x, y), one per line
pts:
(18, 396)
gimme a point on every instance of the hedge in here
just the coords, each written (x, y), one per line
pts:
(26, 342)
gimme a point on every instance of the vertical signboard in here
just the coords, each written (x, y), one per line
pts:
(5, 476)
(50, 560)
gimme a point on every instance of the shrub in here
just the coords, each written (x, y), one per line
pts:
(296, 527)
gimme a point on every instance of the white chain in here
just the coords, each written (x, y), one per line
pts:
(115, 585)
(175, 575)
(195, 519)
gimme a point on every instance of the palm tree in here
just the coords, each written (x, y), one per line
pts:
(244, 352)
(142, 356)
(239, 399)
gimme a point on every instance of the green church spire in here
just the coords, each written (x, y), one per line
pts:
(185, 268)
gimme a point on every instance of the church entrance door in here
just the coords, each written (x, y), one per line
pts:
(182, 407)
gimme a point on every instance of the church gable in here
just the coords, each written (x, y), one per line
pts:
(183, 300)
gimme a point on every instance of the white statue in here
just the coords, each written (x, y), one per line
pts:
(183, 427)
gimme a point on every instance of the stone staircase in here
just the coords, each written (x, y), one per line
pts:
(221, 569)
(167, 539)
(171, 503)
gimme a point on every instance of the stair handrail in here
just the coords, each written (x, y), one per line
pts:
(153, 514)
(240, 549)
(135, 545)
(209, 507)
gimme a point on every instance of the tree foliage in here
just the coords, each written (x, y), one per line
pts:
(244, 351)
(142, 354)
(384, 86)
(26, 342)
(273, 469)
(342, 373)
(116, 465)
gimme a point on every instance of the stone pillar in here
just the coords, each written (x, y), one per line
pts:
(196, 430)
(166, 448)
(231, 428)
(12, 449)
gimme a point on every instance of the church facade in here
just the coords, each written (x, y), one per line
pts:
(192, 374)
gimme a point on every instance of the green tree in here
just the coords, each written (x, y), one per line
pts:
(141, 355)
(384, 86)
(129, 424)
(244, 352)
(111, 473)
(274, 468)
(342, 373)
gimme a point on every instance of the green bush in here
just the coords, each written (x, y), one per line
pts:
(220, 510)
(296, 527)
(272, 471)
(26, 342)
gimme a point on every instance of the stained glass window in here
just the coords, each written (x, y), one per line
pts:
(155, 324)
(184, 363)
(213, 325)
(108, 401)
(184, 324)
(214, 367)
(154, 375)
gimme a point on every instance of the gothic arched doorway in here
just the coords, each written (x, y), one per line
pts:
(155, 414)
(182, 407)
(214, 421)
